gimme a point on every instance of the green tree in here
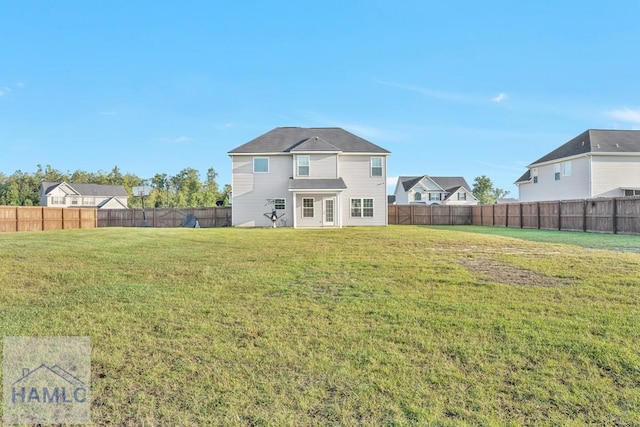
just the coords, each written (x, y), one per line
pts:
(484, 191)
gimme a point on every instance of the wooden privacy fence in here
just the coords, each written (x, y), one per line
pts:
(22, 218)
(169, 217)
(602, 215)
(429, 214)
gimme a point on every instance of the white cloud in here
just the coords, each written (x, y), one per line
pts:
(178, 140)
(498, 99)
(625, 115)
(108, 113)
(20, 85)
(226, 125)
(431, 93)
(4, 91)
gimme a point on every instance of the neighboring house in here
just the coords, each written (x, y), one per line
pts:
(596, 163)
(310, 177)
(65, 195)
(433, 190)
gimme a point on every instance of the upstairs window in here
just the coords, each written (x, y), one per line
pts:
(303, 165)
(435, 196)
(566, 169)
(556, 172)
(376, 166)
(260, 165)
(417, 196)
(462, 196)
(534, 173)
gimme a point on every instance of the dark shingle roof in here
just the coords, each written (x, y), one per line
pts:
(595, 141)
(448, 183)
(287, 139)
(408, 182)
(451, 183)
(317, 184)
(97, 190)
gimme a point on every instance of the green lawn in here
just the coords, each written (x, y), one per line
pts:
(397, 325)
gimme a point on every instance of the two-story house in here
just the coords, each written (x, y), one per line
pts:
(433, 190)
(596, 163)
(310, 177)
(65, 195)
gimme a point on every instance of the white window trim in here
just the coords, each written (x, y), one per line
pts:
(254, 164)
(362, 207)
(308, 165)
(565, 166)
(313, 207)
(284, 202)
(381, 167)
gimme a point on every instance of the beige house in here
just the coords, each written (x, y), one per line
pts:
(309, 177)
(596, 163)
(433, 190)
(65, 195)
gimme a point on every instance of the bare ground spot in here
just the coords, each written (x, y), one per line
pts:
(491, 271)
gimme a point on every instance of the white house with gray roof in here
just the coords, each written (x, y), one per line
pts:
(310, 177)
(596, 163)
(66, 195)
(433, 190)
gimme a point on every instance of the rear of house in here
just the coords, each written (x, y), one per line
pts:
(309, 177)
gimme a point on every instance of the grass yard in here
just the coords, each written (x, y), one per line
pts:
(401, 325)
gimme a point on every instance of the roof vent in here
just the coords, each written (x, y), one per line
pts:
(583, 143)
(617, 145)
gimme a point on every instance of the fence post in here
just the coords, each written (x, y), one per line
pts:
(538, 214)
(559, 215)
(615, 216)
(584, 216)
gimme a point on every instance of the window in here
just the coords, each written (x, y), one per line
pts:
(566, 169)
(279, 204)
(260, 165)
(367, 208)
(307, 208)
(435, 196)
(376, 166)
(556, 172)
(362, 208)
(88, 201)
(462, 195)
(56, 200)
(417, 196)
(534, 173)
(74, 200)
(631, 193)
(303, 165)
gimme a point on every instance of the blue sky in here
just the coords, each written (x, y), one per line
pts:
(458, 88)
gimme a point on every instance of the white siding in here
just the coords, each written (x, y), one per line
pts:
(356, 173)
(574, 186)
(321, 166)
(612, 172)
(251, 192)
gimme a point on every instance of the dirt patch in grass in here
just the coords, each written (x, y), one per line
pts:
(491, 271)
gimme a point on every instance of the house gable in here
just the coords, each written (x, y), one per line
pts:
(317, 177)
(596, 163)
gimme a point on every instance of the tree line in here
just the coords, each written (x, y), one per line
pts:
(185, 189)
